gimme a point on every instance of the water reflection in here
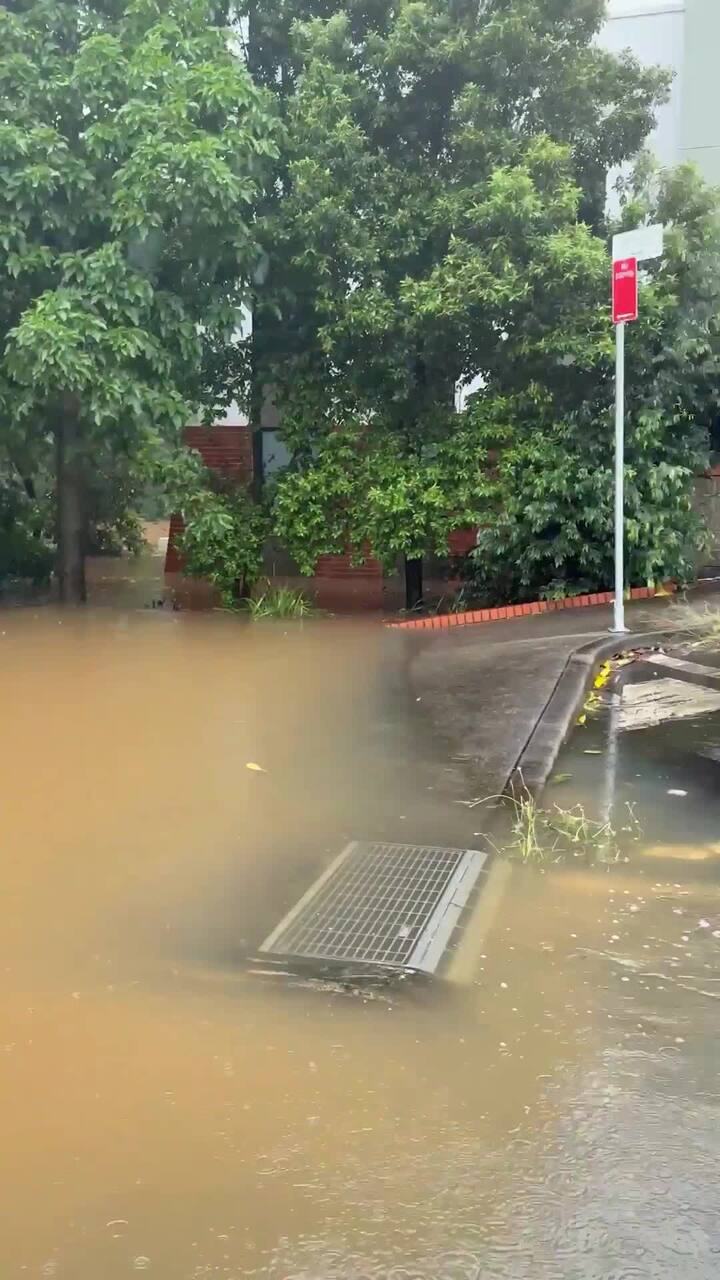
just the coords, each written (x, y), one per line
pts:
(163, 1112)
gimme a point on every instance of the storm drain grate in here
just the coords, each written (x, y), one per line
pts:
(381, 904)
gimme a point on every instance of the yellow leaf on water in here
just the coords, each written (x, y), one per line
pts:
(603, 675)
(255, 768)
(582, 719)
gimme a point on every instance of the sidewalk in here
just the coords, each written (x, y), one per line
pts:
(485, 688)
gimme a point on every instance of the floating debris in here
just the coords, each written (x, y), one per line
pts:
(603, 675)
(656, 701)
(681, 664)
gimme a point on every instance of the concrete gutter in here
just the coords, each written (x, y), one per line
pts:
(531, 773)
(537, 758)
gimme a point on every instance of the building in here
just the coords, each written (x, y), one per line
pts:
(683, 35)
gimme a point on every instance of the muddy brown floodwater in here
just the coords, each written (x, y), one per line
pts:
(163, 1112)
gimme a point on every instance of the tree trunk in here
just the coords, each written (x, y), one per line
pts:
(69, 497)
(413, 583)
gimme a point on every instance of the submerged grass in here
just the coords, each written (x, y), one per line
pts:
(700, 623)
(538, 835)
(280, 602)
(557, 834)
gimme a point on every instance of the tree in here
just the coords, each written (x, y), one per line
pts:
(26, 551)
(225, 529)
(133, 147)
(443, 175)
(551, 490)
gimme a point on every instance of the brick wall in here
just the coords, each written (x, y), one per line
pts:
(340, 584)
(462, 541)
(227, 449)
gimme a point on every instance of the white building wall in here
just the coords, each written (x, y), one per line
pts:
(654, 30)
(684, 36)
(700, 117)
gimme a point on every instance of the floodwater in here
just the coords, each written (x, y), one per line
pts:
(554, 1116)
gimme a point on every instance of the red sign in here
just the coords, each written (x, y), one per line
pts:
(625, 290)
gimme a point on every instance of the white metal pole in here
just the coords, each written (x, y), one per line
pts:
(619, 627)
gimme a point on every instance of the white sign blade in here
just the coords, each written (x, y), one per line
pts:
(643, 243)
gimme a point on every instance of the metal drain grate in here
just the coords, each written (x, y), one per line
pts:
(394, 905)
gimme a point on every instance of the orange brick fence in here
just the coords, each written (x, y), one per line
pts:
(505, 612)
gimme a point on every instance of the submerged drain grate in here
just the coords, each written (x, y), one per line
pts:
(381, 904)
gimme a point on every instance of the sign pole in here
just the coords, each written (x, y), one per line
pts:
(628, 249)
(619, 627)
(625, 310)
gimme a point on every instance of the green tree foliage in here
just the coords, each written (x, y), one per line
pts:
(551, 489)
(26, 550)
(433, 209)
(113, 497)
(133, 145)
(225, 529)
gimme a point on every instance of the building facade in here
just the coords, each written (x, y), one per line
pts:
(684, 36)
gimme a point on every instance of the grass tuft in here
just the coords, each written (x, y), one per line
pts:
(280, 602)
(700, 624)
(556, 834)
(539, 835)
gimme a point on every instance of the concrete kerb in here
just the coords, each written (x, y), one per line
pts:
(551, 731)
(531, 773)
